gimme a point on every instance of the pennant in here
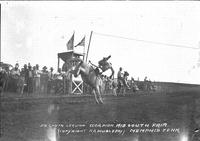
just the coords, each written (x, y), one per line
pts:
(70, 43)
(81, 43)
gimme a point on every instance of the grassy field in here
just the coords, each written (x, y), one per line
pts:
(173, 113)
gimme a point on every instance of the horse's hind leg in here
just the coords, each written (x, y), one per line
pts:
(95, 95)
(124, 91)
(3, 88)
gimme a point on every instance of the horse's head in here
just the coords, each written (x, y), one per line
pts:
(126, 74)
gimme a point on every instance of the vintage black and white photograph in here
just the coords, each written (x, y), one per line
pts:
(100, 71)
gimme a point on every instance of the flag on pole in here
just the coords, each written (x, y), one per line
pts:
(70, 43)
(81, 43)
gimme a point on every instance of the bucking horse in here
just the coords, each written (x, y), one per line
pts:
(90, 76)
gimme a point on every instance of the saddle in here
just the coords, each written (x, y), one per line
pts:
(97, 72)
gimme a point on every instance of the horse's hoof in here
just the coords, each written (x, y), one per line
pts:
(101, 102)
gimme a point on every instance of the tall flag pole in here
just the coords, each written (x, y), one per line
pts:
(70, 43)
(89, 45)
(84, 51)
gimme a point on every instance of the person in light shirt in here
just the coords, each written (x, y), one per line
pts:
(50, 80)
(59, 82)
(51, 74)
(15, 73)
(37, 74)
(30, 79)
(59, 74)
(44, 80)
(125, 77)
(120, 76)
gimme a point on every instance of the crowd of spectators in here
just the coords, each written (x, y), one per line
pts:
(32, 79)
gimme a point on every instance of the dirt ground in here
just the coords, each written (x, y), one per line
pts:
(164, 117)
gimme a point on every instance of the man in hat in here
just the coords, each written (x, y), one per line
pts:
(125, 78)
(44, 80)
(51, 74)
(25, 69)
(15, 73)
(120, 79)
(30, 79)
(37, 74)
(120, 75)
(145, 83)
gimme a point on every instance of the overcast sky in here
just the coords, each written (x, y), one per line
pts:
(154, 39)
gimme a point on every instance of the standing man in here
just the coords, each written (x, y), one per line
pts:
(50, 80)
(44, 80)
(120, 75)
(119, 79)
(37, 74)
(30, 79)
(59, 82)
(26, 78)
(15, 74)
(126, 74)
(145, 83)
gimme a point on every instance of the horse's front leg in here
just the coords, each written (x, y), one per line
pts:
(124, 91)
(95, 95)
